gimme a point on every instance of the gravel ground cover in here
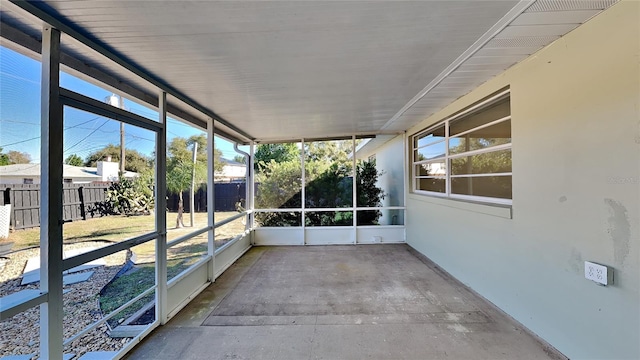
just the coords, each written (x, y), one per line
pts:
(20, 334)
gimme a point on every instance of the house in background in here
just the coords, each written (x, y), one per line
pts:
(232, 171)
(30, 173)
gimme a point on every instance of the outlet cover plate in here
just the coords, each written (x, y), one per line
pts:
(599, 273)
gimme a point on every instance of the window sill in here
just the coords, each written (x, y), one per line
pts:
(498, 210)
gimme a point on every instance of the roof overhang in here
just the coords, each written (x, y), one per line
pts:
(272, 71)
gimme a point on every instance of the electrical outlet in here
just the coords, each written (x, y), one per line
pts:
(598, 273)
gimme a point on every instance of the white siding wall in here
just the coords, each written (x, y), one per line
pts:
(576, 195)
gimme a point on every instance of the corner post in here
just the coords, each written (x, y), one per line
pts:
(161, 212)
(51, 149)
(211, 206)
(354, 189)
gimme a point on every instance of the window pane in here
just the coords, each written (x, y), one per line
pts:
(107, 285)
(485, 163)
(328, 174)
(368, 217)
(278, 176)
(368, 185)
(278, 219)
(140, 108)
(497, 134)
(390, 217)
(329, 218)
(390, 174)
(480, 117)
(431, 152)
(185, 254)
(431, 169)
(130, 284)
(103, 204)
(489, 186)
(229, 231)
(429, 137)
(182, 140)
(431, 184)
(88, 89)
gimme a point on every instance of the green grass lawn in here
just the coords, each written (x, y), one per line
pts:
(134, 283)
(117, 228)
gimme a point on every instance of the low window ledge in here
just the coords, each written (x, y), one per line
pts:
(499, 210)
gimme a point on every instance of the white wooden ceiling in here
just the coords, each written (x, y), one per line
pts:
(289, 69)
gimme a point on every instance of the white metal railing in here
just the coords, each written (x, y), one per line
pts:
(127, 244)
(341, 209)
(188, 236)
(89, 256)
(206, 257)
(187, 271)
(236, 238)
(232, 218)
(20, 301)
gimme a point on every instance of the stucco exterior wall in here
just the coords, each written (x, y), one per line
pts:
(576, 194)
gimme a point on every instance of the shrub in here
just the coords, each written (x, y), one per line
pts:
(131, 196)
(328, 186)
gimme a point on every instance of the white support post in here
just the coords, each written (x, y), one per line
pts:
(303, 193)
(211, 198)
(354, 174)
(251, 181)
(51, 150)
(192, 189)
(161, 212)
(407, 176)
(446, 152)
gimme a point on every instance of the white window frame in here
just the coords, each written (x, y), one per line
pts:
(415, 178)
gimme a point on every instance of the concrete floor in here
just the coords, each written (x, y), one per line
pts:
(339, 302)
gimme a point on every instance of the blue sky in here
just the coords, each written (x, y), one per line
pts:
(84, 132)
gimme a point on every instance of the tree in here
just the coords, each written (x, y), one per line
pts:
(329, 184)
(134, 161)
(276, 152)
(182, 148)
(240, 159)
(331, 151)
(368, 193)
(4, 158)
(180, 167)
(18, 157)
(14, 157)
(74, 160)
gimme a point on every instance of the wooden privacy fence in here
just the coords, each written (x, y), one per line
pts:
(226, 197)
(79, 202)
